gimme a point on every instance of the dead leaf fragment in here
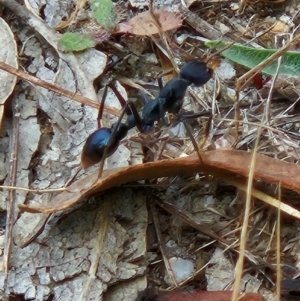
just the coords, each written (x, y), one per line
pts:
(143, 23)
(9, 55)
(280, 27)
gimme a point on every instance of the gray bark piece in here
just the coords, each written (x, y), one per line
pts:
(54, 11)
(8, 55)
(71, 125)
(61, 261)
(84, 253)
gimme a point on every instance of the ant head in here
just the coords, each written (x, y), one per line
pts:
(197, 73)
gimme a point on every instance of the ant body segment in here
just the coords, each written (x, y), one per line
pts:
(105, 141)
(170, 98)
(101, 140)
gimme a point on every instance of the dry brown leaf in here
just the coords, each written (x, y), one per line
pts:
(218, 162)
(143, 23)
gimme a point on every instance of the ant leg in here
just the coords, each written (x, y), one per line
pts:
(158, 155)
(134, 118)
(177, 118)
(101, 108)
(190, 134)
(160, 83)
(144, 97)
(207, 130)
(121, 99)
(183, 117)
(110, 142)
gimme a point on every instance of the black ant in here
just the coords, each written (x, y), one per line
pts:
(105, 141)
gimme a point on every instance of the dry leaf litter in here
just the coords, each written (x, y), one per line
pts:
(99, 250)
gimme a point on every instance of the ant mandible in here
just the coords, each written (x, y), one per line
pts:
(105, 141)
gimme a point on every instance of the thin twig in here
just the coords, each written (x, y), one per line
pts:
(38, 191)
(41, 83)
(162, 246)
(10, 202)
(243, 236)
(103, 220)
(278, 249)
(268, 103)
(163, 37)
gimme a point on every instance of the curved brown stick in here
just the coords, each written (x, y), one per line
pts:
(217, 162)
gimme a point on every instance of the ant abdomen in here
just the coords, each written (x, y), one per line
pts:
(94, 147)
(102, 142)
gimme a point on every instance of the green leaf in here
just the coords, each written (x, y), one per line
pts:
(72, 41)
(251, 57)
(104, 13)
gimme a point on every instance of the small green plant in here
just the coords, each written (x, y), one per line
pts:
(104, 13)
(72, 41)
(250, 57)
